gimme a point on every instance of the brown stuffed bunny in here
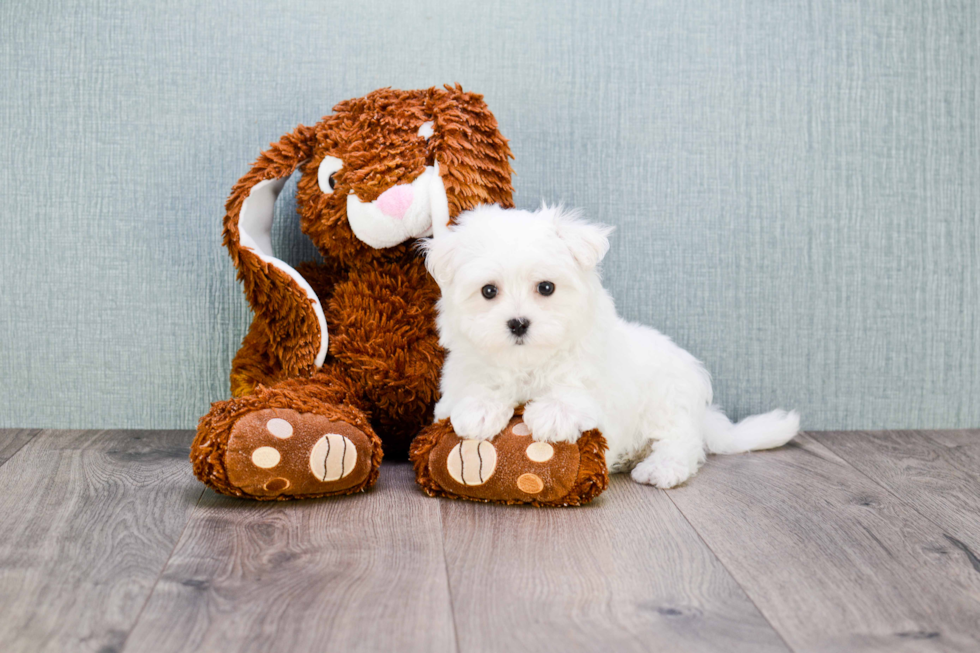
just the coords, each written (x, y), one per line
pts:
(343, 352)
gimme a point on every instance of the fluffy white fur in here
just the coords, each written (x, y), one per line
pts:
(579, 365)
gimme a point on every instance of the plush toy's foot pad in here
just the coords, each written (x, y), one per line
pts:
(278, 452)
(511, 467)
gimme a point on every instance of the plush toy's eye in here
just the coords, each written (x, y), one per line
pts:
(546, 288)
(329, 167)
(489, 291)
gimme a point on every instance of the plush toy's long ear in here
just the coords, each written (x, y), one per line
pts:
(472, 155)
(276, 292)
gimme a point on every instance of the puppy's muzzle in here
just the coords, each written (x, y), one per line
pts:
(518, 326)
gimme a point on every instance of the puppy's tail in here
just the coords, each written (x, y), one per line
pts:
(766, 431)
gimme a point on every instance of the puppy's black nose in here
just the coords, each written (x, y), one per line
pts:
(518, 325)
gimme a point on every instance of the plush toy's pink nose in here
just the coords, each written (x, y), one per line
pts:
(396, 200)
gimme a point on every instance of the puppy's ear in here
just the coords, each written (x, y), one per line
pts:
(587, 241)
(440, 256)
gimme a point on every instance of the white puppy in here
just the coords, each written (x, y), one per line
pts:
(525, 319)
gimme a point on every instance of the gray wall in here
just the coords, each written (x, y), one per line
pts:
(796, 184)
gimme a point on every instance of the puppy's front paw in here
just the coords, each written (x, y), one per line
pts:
(551, 420)
(664, 469)
(479, 419)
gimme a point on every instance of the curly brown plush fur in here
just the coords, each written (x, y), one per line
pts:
(381, 373)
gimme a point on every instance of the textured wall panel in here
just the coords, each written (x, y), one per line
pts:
(796, 184)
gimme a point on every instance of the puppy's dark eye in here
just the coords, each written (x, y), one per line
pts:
(489, 291)
(332, 181)
(546, 288)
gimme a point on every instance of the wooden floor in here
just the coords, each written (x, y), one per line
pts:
(838, 542)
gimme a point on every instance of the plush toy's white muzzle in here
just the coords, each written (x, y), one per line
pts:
(402, 212)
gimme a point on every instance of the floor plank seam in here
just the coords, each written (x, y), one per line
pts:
(731, 574)
(968, 553)
(33, 434)
(449, 584)
(163, 569)
(887, 489)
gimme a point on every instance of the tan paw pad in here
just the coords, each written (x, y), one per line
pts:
(279, 428)
(539, 452)
(530, 483)
(277, 485)
(520, 429)
(472, 462)
(333, 457)
(265, 457)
